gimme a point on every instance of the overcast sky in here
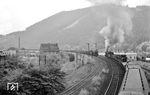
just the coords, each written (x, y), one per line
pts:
(17, 15)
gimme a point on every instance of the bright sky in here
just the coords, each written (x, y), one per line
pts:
(134, 3)
(17, 15)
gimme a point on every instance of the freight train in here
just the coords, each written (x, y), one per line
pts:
(90, 52)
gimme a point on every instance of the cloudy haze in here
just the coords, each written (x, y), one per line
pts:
(18, 14)
(130, 3)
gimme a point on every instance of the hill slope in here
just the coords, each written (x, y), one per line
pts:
(76, 27)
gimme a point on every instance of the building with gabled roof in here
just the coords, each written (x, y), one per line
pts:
(49, 48)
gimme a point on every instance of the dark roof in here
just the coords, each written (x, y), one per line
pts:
(49, 47)
(12, 48)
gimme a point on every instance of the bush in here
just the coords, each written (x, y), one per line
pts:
(71, 57)
(36, 82)
(31, 81)
(96, 80)
(9, 65)
(84, 92)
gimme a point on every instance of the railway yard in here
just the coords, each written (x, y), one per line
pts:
(75, 47)
(112, 74)
(119, 79)
(75, 89)
(111, 84)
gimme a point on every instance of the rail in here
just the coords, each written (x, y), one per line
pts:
(74, 89)
(116, 77)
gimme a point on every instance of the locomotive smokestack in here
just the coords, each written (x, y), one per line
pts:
(107, 44)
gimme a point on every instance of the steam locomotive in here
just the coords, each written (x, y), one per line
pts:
(120, 57)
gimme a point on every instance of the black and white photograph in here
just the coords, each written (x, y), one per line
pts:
(74, 47)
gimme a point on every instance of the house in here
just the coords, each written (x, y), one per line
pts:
(12, 51)
(49, 48)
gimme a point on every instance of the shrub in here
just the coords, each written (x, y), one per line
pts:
(31, 81)
(71, 57)
(96, 80)
(36, 82)
(84, 92)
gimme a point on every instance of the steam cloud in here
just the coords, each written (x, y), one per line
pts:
(130, 3)
(119, 25)
(117, 31)
(95, 2)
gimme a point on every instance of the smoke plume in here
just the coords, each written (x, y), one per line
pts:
(98, 2)
(130, 3)
(118, 26)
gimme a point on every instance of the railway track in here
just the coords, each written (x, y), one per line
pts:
(116, 77)
(75, 89)
(113, 85)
